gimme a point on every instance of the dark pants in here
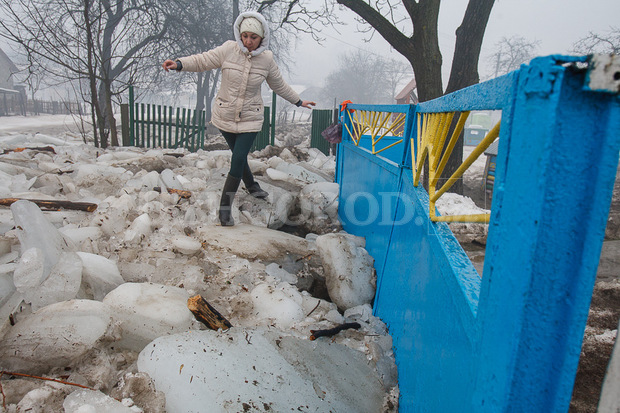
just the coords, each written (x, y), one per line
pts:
(240, 145)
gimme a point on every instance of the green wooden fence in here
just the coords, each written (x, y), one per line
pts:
(156, 126)
(321, 119)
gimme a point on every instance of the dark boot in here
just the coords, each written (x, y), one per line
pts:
(228, 196)
(252, 186)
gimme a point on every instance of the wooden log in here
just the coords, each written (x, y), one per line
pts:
(206, 314)
(53, 205)
(40, 148)
(174, 154)
(183, 194)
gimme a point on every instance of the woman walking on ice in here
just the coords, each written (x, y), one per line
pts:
(246, 63)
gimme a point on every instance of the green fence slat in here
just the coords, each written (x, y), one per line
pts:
(132, 135)
(142, 116)
(170, 111)
(159, 120)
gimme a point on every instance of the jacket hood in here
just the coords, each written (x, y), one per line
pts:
(264, 44)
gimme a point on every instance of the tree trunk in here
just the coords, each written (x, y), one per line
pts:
(97, 119)
(469, 38)
(110, 119)
(464, 70)
(425, 57)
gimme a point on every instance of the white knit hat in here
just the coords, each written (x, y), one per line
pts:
(252, 25)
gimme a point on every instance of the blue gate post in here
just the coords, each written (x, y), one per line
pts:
(553, 188)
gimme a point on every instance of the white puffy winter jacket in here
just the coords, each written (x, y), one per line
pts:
(238, 105)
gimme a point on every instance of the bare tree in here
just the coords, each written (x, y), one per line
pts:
(199, 25)
(103, 46)
(607, 43)
(410, 27)
(511, 52)
(365, 78)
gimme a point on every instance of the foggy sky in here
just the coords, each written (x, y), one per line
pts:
(556, 24)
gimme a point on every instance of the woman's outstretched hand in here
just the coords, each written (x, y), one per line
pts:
(308, 104)
(169, 65)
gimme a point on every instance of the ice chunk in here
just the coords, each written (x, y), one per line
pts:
(55, 336)
(99, 275)
(35, 231)
(141, 389)
(276, 270)
(186, 245)
(41, 289)
(92, 401)
(20, 183)
(92, 172)
(139, 229)
(349, 272)
(288, 156)
(295, 174)
(244, 369)
(148, 311)
(149, 181)
(42, 399)
(79, 235)
(7, 288)
(170, 179)
(280, 305)
(359, 313)
(254, 242)
(319, 204)
(112, 214)
(29, 273)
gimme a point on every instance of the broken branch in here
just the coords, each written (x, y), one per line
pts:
(10, 373)
(333, 331)
(43, 148)
(53, 205)
(206, 314)
(180, 192)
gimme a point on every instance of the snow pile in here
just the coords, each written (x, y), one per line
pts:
(455, 204)
(349, 274)
(99, 298)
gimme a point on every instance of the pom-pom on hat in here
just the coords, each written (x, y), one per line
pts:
(252, 25)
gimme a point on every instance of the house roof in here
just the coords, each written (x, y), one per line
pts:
(12, 66)
(407, 90)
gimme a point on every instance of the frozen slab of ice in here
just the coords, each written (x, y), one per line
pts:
(349, 272)
(40, 289)
(319, 204)
(81, 234)
(7, 288)
(252, 242)
(276, 270)
(35, 231)
(251, 370)
(280, 306)
(55, 336)
(147, 311)
(91, 401)
(99, 275)
(186, 245)
(140, 228)
(295, 174)
(170, 179)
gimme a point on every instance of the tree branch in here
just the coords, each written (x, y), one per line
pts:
(385, 28)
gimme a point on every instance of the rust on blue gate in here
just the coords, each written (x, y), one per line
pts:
(508, 340)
